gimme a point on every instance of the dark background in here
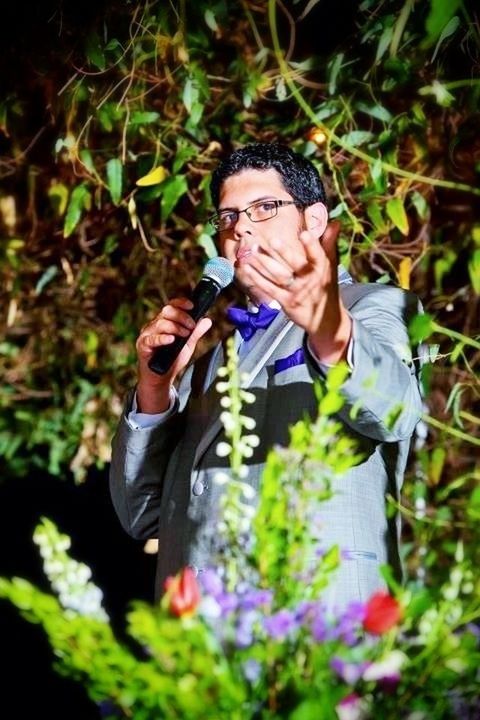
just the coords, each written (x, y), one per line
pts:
(30, 687)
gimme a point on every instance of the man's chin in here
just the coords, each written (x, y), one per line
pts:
(252, 292)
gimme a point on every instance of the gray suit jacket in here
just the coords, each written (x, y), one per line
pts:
(161, 478)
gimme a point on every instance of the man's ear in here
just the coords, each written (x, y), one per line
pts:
(316, 218)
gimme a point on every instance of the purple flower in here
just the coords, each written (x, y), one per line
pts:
(211, 582)
(347, 671)
(349, 625)
(244, 629)
(304, 611)
(254, 598)
(321, 627)
(252, 670)
(228, 602)
(280, 624)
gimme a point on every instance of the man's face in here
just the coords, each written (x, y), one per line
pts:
(246, 237)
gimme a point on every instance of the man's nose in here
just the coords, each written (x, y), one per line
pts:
(243, 227)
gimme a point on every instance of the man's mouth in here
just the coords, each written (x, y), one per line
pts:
(243, 253)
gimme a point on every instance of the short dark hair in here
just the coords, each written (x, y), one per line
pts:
(299, 176)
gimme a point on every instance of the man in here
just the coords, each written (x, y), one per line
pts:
(272, 224)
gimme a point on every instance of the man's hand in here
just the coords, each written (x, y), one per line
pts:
(153, 390)
(303, 278)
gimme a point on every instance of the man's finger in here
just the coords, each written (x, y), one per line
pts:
(329, 240)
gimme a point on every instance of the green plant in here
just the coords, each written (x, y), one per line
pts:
(253, 638)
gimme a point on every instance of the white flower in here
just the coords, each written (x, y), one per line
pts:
(248, 422)
(221, 478)
(209, 608)
(223, 449)
(247, 397)
(388, 667)
(248, 491)
(227, 421)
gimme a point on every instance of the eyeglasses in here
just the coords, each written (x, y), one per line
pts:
(257, 212)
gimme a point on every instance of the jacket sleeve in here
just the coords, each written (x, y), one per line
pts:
(382, 395)
(140, 459)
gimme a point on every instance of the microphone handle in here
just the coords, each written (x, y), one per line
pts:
(203, 297)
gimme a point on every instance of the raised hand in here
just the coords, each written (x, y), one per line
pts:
(302, 277)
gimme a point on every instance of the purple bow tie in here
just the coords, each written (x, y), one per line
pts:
(248, 322)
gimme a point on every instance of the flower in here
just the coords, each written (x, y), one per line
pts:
(351, 708)
(280, 624)
(349, 672)
(386, 671)
(382, 612)
(183, 593)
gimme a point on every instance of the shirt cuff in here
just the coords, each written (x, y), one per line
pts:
(325, 367)
(141, 421)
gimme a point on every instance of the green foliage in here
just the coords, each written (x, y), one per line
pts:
(386, 108)
(260, 643)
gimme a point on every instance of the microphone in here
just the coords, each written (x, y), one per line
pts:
(217, 274)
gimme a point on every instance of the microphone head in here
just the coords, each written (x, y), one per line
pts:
(219, 270)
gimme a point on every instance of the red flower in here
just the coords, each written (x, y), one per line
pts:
(382, 612)
(183, 593)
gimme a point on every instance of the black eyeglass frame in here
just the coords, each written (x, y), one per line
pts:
(215, 219)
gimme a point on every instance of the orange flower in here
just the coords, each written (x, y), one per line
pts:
(183, 593)
(382, 612)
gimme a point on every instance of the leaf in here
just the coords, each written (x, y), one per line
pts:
(437, 461)
(183, 155)
(143, 118)
(154, 177)
(331, 403)
(132, 211)
(190, 94)
(374, 212)
(441, 12)
(174, 187)
(396, 213)
(336, 65)
(206, 242)
(440, 92)
(420, 204)
(114, 179)
(384, 42)
(448, 30)
(310, 710)
(421, 327)
(357, 137)
(58, 193)
(280, 89)
(338, 210)
(79, 200)
(404, 272)
(210, 20)
(94, 51)
(337, 375)
(378, 176)
(46, 277)
(376, 111)
(474, 270)
(87, 160)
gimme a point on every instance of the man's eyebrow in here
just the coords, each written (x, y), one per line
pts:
(252, 202)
